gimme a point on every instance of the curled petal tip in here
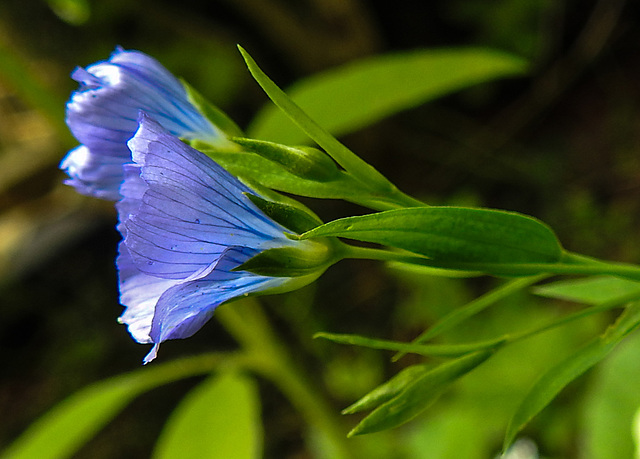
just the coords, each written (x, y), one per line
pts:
(102, 114)
(152, 354)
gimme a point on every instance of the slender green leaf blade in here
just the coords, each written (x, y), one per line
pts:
(452, 234)
(358, 94)
(64, 429)
(219, 419)
(590, 290)
(388, 390)
(60, 433)
(558, 377)
(441, 350)
(609, 414)
(353, 164)
(419, 395)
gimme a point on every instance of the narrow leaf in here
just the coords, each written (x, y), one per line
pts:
(64, 429)
(388, 390)
(453, 234)
(472, 308)
(360, 93)
(609, 413)
(220, 418)
(340, 153)
(558, 377)
(418, 395)
(592, 290)
(439, 350)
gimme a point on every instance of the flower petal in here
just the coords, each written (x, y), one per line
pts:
(184, 308)
(103, 113)
(139, 294)
(94, 174)
(191, 210)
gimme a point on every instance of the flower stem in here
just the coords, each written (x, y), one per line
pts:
(268, 356)
(570, 263)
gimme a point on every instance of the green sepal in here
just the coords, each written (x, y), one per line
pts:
(295, 261)
(291, 217)
(211, 112)
(253, 169)
(305, 162)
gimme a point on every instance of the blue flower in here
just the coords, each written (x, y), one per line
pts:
(186, 224)
(103, 115)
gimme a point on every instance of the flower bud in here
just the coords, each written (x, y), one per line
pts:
(305, 162)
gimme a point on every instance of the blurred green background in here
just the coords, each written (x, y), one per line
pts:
(562, 144)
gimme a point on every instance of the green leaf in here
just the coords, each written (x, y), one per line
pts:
(558, 377)
(592, 290)
(479, 304)
(417, 395)
(452, 234)
(220, 418)
(442, 350)
(351, 163)
(610, 409)
(65, 428)
(259, 171)
(387, 391)
(361, 93)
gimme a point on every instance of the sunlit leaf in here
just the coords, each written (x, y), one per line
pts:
(220, 418)
(560, 375)
(353, 164)
(453, 234)
(64, 429)
(360, 93)
(590, 290)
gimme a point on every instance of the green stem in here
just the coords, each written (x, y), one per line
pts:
(570, 263)
(604, 306)
(474, 307)
(247, 323)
